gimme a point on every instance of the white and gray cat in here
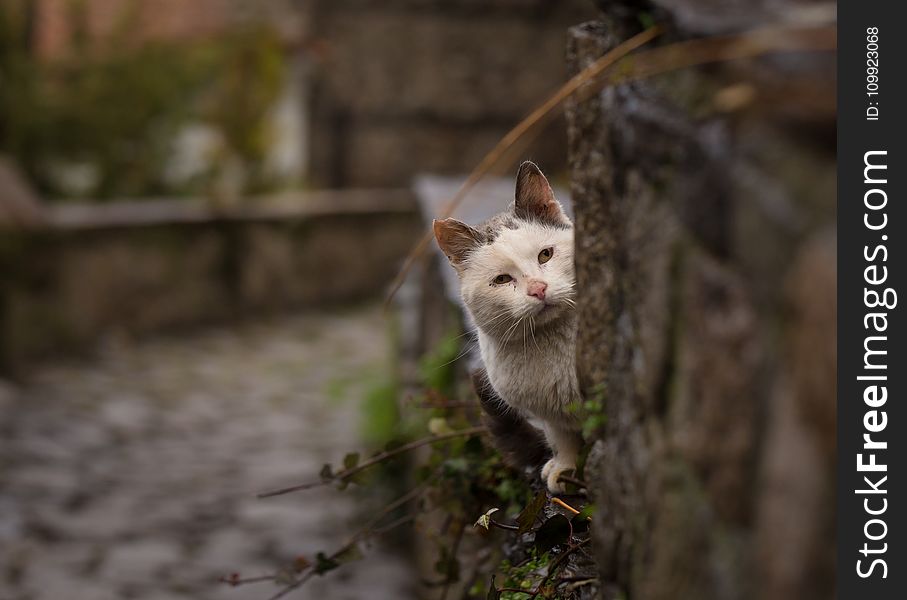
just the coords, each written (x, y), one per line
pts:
(517, 282)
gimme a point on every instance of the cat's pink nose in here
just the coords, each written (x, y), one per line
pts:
(537, 288)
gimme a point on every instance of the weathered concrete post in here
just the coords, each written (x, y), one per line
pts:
(705, 207)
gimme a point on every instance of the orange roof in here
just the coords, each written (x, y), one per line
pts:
(59, 21)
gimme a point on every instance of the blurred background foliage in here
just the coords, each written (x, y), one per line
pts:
(101, 122)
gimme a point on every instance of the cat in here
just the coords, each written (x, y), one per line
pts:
(517, 283)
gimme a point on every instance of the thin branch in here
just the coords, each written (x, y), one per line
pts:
(392, 525)
(235, 580)
(577, 482)
(410, 495)
(500, 525)
(444, 405)
(363, 533)
(286, 590)
(720, 48)
(516, 591)
(346, 474)
(345, 548)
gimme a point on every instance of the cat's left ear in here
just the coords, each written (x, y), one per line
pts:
(456, 240)
(534, 199)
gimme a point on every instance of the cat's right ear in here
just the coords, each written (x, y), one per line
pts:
(534, 198)
(456, 239)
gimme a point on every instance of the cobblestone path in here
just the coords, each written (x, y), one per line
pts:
(133, 475)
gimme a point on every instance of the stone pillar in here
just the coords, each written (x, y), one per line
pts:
(705, 222)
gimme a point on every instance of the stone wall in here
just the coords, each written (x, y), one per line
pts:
(95, 271)
(707, 281)
(409, 86)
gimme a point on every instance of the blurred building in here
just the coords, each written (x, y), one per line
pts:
(377, 91)
(84, 32)
(372, 95)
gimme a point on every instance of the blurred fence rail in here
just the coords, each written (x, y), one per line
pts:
(86, 272)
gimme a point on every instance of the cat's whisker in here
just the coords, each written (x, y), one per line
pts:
(532, 332)
(499, 328)
(512, 330)
(467, 349)
(497, 318)
(506, 335)
(467, 332)
(525, 342)
(501, 316)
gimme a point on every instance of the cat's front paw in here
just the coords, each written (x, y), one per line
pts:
(552, 472)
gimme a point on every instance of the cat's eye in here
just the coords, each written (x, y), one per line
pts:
(502, 279)
(545, 255)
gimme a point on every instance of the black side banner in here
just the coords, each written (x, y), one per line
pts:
(872, 222)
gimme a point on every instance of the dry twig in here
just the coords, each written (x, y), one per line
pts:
(347, 474)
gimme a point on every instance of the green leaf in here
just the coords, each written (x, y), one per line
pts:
(553, 532)
(485, 520)
(438, 426)
(327, 473)
(526, 519)
(456, 465)
(646, 20)
(284, 577)
(474, 446)
(350, 554)
(587, 511)
(351, 460)
(493, 593)
(323, 563)
(580, 523)
(361, 478)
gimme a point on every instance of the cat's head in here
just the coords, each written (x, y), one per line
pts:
(517, 267)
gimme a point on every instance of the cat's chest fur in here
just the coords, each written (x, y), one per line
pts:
(538, 377)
